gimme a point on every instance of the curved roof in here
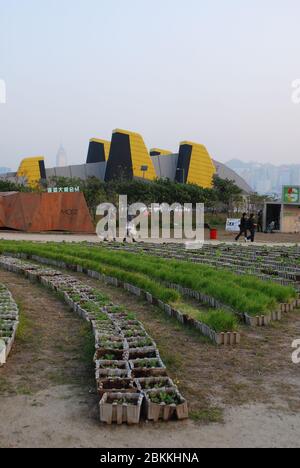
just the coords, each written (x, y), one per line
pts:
(226, 173)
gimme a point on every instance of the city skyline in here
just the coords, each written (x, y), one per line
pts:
(266, 179)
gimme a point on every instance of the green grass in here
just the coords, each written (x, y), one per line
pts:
(5, 386)
(24, 330)
(245, 293)
(24, 390)
(207, 415)
(242, 293)
(88, 349)
(217, 319)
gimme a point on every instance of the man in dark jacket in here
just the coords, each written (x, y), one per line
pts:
(243, 227)
(260, 221)
(251, 227)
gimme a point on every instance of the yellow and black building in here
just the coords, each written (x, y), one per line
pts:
(127, 156)
(98, 151)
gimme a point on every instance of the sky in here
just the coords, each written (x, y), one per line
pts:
(211, 71)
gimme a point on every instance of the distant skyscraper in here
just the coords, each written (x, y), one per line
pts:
(4, 170)
(267, 178)
(61, 157)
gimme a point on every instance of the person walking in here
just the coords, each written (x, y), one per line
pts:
(243, 227)
(251, 226)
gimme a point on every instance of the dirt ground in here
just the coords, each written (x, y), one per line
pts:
(240, 397)
(223, 236)
(261, 238)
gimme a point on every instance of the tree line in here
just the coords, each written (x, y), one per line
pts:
(222, 197)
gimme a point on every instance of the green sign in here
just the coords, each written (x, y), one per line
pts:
(291, 194)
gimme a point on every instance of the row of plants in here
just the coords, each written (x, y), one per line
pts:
(244, 294)
(209, 322)
(219, 321)
(278, 269)
(235, 260)
(9, 321)
(131, 378)
(136, 368)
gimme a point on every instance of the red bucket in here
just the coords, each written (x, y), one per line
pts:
(213, 234)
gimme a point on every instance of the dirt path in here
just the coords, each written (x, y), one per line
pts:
(250, 395)
(223, 236)
(53, 345)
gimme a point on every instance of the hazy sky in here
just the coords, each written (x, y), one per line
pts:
(218, 72)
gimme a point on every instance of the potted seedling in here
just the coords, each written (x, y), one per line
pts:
(115, 310)
(147, 367)
(110, 354)
(134, 332)
(149, 384)
(121, 408)
(140, 342)
(115, 345)
(165, 404)
(116, 385)
(141, 353)
(106, 369)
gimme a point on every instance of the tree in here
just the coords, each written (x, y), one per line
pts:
(227, 193)
(257, 202)
(7, 186)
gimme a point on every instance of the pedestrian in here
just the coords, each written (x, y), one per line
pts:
(243, 227)
(130, 230)
(251, 226)
(271, 228)
(260, 221)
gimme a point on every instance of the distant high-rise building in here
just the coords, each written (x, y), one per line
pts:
(4, 170)
(267, 178)
(61, 157)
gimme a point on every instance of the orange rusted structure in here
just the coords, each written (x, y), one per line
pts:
(44, 212)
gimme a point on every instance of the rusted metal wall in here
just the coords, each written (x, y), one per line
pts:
(33, 212)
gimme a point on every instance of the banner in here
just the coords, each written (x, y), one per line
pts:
(233, 225)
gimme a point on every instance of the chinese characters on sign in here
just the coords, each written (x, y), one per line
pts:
(63, 189)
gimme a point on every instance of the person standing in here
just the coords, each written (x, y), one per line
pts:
(260, 221)
(251, 226)
(243, 227)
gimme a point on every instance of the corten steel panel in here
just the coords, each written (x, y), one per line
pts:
(32, 212)
(2, 213)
